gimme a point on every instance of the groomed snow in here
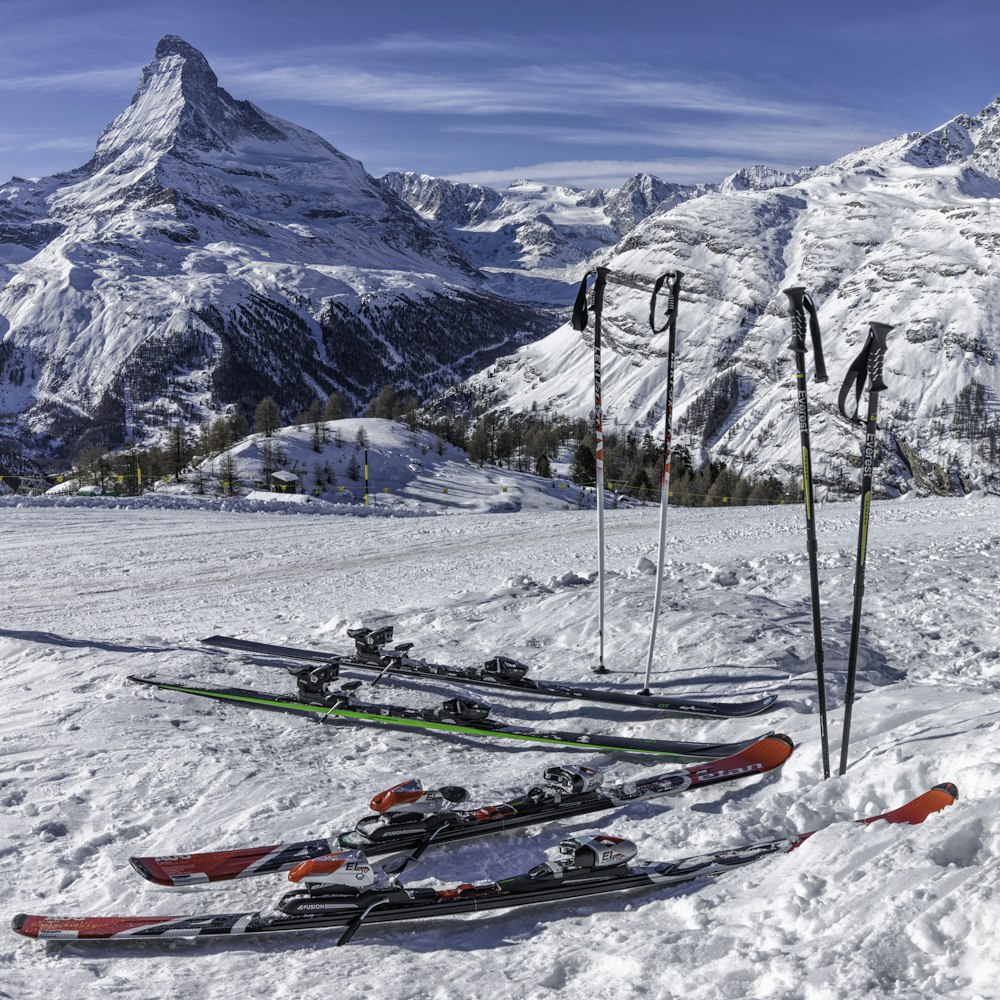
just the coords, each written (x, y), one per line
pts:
(93, 769)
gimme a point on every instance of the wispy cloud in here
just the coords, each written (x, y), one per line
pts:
(607, 173)
(790, 143)
(21, 142)
(92, 81)
(506, 89)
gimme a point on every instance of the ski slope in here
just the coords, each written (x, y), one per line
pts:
(93, 769)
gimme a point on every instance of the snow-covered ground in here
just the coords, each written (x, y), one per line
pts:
(93, 769)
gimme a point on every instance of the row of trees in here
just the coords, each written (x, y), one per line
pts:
(528, 442)
(709, 485)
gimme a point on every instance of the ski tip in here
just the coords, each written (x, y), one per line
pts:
(17, 923)
(787, 740)
(938, 798)
(760, 756)
(948, 788)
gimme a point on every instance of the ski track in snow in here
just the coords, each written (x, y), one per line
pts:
(93, 769)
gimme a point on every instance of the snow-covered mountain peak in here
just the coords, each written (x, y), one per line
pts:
(762, 178)
(211, 253)
(180, 106)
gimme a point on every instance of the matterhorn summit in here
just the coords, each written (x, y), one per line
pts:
(211, 253)
(180, 106)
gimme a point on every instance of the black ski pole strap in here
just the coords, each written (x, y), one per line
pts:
(800, 302)
(817, 340)
(867, 365)
(580, 312)
(673, 292)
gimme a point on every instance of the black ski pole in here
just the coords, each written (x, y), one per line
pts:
(799, 302)
(866, 367)
(580, 323)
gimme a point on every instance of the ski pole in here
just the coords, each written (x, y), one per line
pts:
(799, 301)
(580, 323)
(673, 282)
(866, 367)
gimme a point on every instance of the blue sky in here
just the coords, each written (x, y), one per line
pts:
(578, 93)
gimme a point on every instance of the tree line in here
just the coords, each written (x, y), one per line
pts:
(527, 442)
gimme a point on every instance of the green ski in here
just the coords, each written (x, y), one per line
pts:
(461, 716)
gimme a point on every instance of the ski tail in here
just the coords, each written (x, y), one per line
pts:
(220, 866)
(97, 928)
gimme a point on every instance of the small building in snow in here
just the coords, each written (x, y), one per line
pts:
(284, 482)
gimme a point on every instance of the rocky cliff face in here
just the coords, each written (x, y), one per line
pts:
(210, 253)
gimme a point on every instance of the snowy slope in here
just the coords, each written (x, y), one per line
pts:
(901, 233)
(92, 769)
(409, 471)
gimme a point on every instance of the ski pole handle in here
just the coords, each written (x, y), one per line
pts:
(878, 332)
(800, 302)
(672, 279)
(867, 366)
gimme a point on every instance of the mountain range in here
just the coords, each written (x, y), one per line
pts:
(904, 233)
(211, 253)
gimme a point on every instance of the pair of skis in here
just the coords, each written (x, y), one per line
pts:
(866, 368)
(409, 818)
(501, 673)
(344, 889)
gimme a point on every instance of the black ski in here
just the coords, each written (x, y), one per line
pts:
(457, 715)
(344, 889)
(502, 673)
(409, 818)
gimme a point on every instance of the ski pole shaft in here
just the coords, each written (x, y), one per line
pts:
(869, 363)
(599, 284)
(798, 302)
(673, 284)
(579, 322)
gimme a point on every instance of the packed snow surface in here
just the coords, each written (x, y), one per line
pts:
(94, 769)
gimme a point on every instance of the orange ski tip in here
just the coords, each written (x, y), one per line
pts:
(938, 798)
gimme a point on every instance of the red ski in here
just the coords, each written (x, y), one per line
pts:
(409, 818)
